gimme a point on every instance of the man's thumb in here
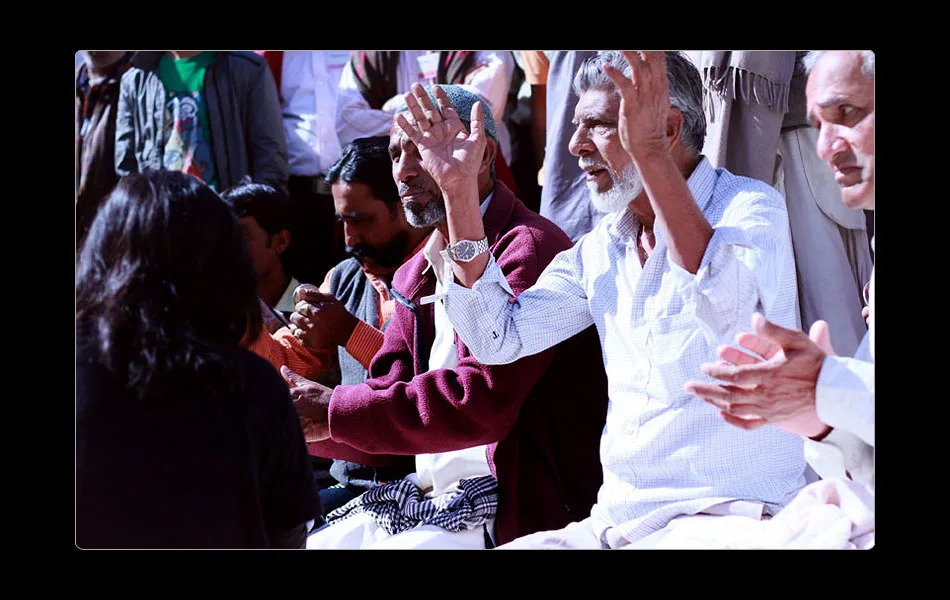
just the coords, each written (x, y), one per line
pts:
(289, 376)
(820, 333)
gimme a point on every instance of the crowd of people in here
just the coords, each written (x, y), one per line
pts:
(475, 299)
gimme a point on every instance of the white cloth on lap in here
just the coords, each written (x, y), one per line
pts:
(828, 514)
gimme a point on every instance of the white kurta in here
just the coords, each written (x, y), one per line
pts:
(664, 452)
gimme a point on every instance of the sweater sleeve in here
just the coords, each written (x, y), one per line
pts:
(282, 348)
(399, 412)
(364, 343)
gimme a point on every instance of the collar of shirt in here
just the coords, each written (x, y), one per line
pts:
(286, 302)
(434, 252)
(623, 225)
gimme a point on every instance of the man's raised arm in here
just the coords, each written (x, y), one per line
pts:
(495, 327)
(454, 159)
(648, 125)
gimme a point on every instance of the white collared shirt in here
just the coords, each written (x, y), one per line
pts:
(308, 86)
(664, 452)
(286, 302)
(356, 119)
(441, 471)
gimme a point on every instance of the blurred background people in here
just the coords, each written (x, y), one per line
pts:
(757, 127)
(307, 85)
(212, 114)
(373, 83)
(97, 96)
(565, 199)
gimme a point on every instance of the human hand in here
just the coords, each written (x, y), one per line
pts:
(320, 320)
(312, 402)
(779, 390)
(449, 155)
(644, 104)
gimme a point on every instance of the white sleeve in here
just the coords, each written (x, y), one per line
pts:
(354, 117)
(499, 328)
(747, 261)
(492, 81)
(844, 395)
(844, 398)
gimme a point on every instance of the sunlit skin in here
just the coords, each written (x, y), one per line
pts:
(416, 187)
(841, 106)
(418, 184)
(596, 141)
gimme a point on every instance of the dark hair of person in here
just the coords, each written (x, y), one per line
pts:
(366, 161)
(269, 206)
(165, 286)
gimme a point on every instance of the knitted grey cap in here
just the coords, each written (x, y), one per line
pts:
(462, 101)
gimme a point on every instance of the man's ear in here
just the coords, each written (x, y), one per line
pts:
(674, 126)
(280, 241)
(490, 148)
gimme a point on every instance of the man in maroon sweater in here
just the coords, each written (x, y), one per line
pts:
(540, 417)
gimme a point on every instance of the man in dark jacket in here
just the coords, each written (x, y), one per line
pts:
(212, 114)
(539, 418)
(97, 94)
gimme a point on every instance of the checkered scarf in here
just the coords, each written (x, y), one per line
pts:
(401, 505)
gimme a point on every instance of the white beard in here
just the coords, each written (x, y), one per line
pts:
(627, 185)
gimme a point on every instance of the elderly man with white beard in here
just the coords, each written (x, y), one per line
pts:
(684, 257)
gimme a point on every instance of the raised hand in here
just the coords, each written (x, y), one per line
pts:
(778, 390)
(644, 104)
(312, 402)
(450, 155)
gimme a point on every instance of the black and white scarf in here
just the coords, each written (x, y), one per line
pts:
(402, 505)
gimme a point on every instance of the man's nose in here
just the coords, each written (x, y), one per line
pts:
(580, 143)
(830, 143)
(351, 235)
(405, 168)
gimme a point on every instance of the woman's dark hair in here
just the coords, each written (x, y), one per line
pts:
(164, 284)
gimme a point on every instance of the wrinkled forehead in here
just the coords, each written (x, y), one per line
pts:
(397, 137)
(597, 103)
(838, 74)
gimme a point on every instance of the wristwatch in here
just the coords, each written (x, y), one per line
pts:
(465, 250)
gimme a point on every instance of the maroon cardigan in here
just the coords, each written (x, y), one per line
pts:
(542, 415)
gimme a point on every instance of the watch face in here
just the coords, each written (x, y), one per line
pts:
(466, 250)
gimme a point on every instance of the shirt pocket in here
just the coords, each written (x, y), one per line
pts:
(673, 340)
(671, 325)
